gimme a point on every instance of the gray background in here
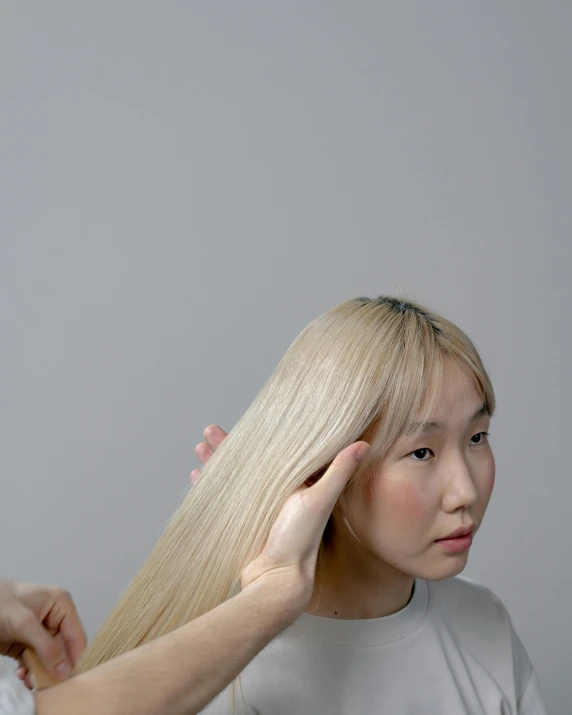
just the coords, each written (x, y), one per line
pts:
(184, 186)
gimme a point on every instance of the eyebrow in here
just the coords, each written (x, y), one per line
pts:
(442, 426)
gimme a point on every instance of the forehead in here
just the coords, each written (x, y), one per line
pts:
(459, 388)
(432, 426)
(459, 401)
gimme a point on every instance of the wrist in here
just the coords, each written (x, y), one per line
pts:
(286, 597)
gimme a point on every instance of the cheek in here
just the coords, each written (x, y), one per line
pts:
(403, 506)
(488, 480)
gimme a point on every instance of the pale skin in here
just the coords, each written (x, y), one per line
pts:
(181, 672)
(43, 618)
(422, 490)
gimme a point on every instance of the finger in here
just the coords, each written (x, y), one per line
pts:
(15, 650)
(21, 672)
(215, 435)
(64, 619)
(328, 489)
(50, 649)
(38, 675)
(204, 451)
(195, 474)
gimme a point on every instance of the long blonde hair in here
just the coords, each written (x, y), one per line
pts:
(363, 360)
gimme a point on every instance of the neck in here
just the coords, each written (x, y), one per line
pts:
(352, 583)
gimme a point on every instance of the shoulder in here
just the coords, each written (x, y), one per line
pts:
(468, 595)
(470, 607)
(478, 618)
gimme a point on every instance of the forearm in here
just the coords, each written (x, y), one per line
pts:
(181, 672)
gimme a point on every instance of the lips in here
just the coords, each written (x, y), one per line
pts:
(461, 531)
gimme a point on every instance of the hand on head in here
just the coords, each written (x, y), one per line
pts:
(288, 559)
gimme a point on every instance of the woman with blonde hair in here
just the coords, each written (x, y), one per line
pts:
(391, 626)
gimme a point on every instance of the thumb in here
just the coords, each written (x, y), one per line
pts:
(328, 489)
(49, 648)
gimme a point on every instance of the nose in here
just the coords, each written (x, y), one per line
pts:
(460, 490)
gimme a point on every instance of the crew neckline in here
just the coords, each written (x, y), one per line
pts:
(365, 631)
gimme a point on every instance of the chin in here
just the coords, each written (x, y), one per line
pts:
(451, 566)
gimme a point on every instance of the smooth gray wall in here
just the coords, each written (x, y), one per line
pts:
(184, 186)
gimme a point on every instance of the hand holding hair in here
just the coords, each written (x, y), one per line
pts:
(182, 671)
(43, 618)
(288, 559)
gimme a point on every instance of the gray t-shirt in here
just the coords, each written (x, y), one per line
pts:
(452, 649)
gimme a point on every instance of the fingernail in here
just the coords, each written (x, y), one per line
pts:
(63, 670)
(362, 451)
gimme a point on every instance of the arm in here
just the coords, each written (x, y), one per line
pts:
(181, 672)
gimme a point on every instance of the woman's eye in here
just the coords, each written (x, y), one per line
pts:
(421, 453)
